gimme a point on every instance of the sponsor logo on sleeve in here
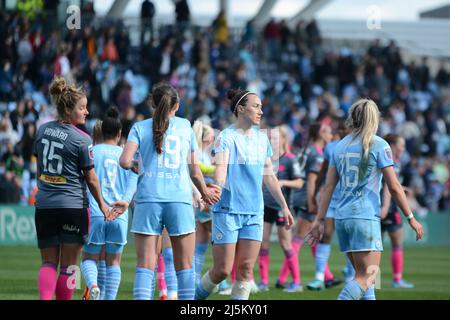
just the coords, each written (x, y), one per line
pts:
(91, 152)
(388, 152)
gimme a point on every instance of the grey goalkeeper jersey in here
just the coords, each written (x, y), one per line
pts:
(63, 151)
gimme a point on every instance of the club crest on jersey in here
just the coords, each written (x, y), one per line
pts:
(388, 153)
(91, 152)
(218, 142)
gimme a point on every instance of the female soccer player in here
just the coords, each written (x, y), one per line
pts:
(205, 139)
(242, 156)
(65, 166)
(116, 185)
(358, 163)
(289, 178)
(167, 146)
(304, 200)
(391, 219)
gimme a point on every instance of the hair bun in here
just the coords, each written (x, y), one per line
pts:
(112, 112)
(58, 86)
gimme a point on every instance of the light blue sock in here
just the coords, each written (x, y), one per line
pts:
(351, 291)
(113, 276)
(186, 284)
(143, 279)
(153, 286)
(204, 288)
(199, 259)
(169, 272)
(101, 278)
(370, 294)
(200, 292)
(89, 272)
(322, 255)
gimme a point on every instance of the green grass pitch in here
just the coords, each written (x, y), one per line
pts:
(426, 266)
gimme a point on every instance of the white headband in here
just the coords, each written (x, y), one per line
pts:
(243, 96)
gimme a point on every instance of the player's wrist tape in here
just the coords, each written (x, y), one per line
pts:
(410, 216)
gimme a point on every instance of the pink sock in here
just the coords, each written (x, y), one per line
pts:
(64, 287)
(397, 262)
(293, 264)
(160, 273)
(296, 246)
(264, 260)
(47, 281)
(328, 275)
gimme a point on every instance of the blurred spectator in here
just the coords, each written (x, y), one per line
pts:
(6, 81)
(220, 28)
(182, 14)
(110, 52)
(249, 33)
(147, 14)
(272, 37)
(306, 81)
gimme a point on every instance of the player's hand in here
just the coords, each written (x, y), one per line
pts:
(106, 212)
(417, 227)
(214, 187)
(119, 207)
(197, 199)
(288, 218)
(206, 207)
(314, 235)
(212, 195)
(135, 166)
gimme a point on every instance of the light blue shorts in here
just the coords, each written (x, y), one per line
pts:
(113, 234)
(151, 217)
(359, 235)
(202, 216)
(110, 248)
(330, 213)
(229, 228)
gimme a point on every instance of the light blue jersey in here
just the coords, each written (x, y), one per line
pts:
(164, 177)
(242, 192)
(115, 183)
(360, 184)
(327, 154)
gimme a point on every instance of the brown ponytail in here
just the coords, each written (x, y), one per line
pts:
(164, 99)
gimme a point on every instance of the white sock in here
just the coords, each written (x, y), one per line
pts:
(241, 290)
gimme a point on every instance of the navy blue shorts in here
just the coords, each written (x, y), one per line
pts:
(61, 225)
(392, 222)
(274, 216)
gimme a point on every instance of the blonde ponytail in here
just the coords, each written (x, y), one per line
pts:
(363, 120)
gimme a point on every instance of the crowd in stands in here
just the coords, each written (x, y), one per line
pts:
(299, 78)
